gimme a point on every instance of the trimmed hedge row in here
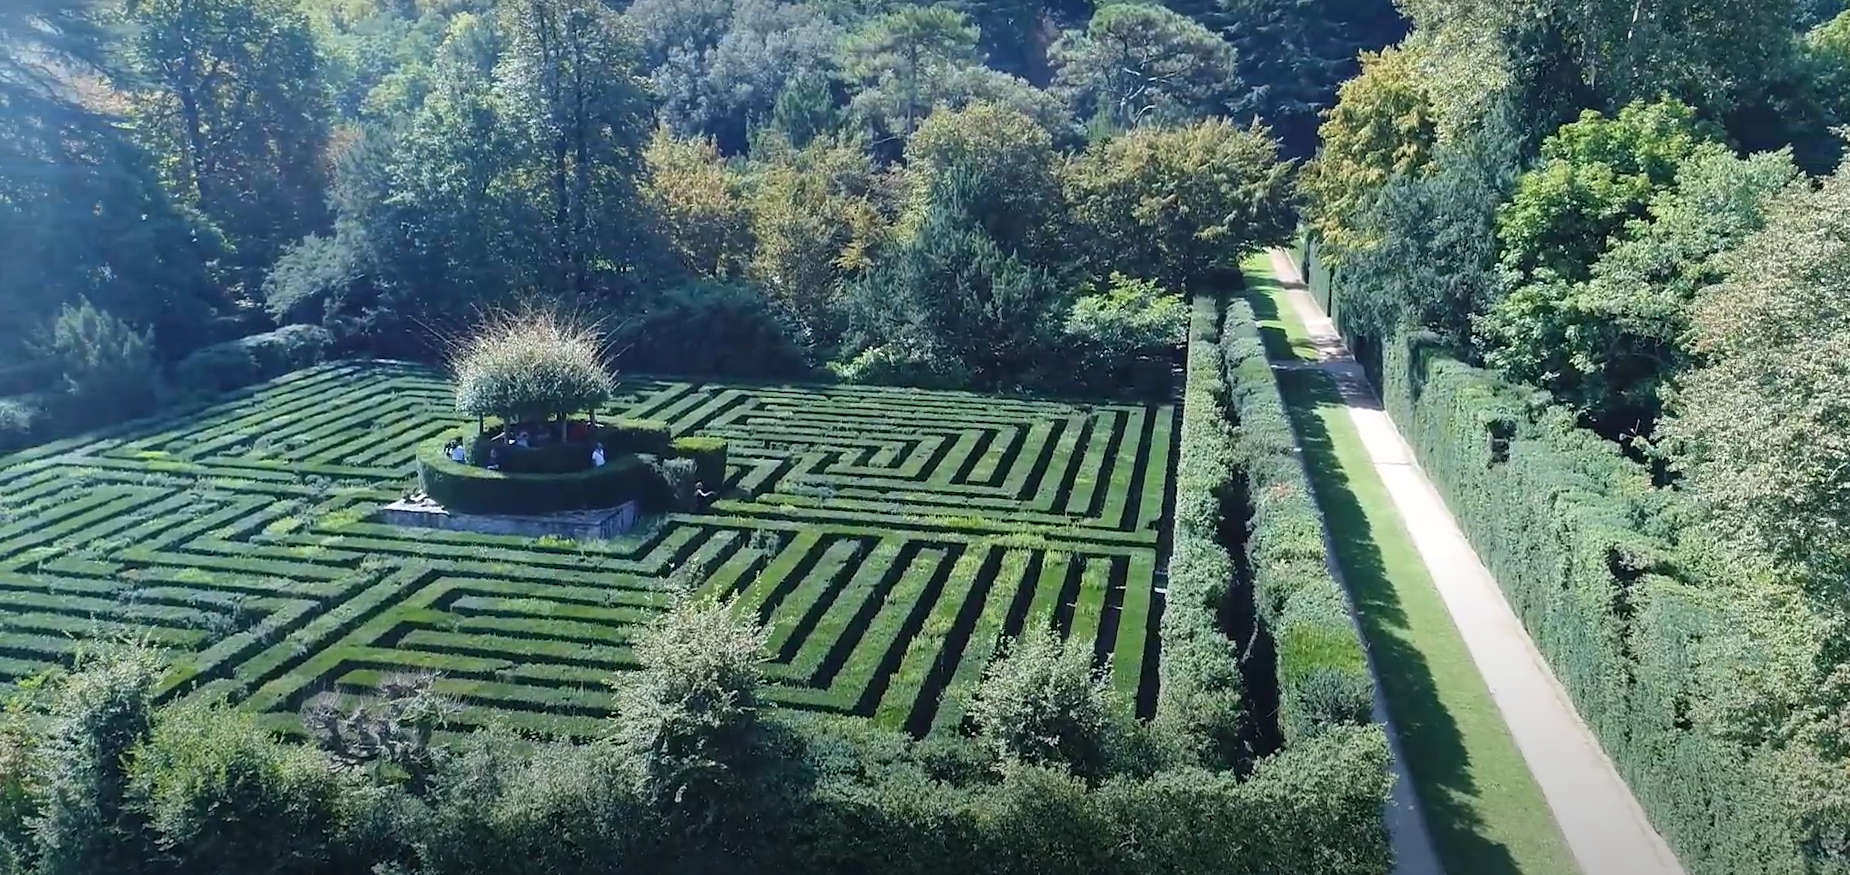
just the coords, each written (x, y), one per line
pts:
(1325, 689)
(1644, 646)
(709, 455)
(1322, 669)
(469, 489)
(1200, 695)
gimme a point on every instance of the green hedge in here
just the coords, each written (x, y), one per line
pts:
(649, 436)
(1200, 695)
(1237, 447)
(468, 489)
(1322, 669)
(1565, 523)
(709, 455)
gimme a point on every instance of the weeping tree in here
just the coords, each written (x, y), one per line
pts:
(528, 367)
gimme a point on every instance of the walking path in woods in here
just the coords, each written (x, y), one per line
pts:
(1598, 819)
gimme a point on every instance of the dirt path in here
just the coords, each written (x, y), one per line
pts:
(1603, 823)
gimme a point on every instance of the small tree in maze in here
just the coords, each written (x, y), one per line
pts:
(530, 366)
(1042, 702)
(687, 723)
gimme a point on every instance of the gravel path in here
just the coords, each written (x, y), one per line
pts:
(1600, 818)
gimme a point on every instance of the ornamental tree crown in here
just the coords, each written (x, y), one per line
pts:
(529, 367)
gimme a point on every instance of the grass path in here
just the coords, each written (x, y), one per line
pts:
(1483, 808)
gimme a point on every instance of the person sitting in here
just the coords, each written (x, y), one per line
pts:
(524, 441)
(597, 456)
(494, 459)
(455, 451)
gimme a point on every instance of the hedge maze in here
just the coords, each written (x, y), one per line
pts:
(889, 538)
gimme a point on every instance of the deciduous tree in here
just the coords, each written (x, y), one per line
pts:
(1174, 203)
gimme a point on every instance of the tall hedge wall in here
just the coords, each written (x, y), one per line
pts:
(1322, 670)
(1564, 523)
(1237, 458)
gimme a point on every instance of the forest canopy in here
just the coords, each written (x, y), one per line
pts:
(185, 178)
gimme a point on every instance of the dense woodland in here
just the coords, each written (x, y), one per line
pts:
(202, 193)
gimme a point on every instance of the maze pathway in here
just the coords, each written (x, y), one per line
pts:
(888, 538)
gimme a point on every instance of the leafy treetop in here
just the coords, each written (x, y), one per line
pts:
(528, 367)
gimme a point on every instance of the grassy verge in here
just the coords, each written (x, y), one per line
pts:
(1483, 807)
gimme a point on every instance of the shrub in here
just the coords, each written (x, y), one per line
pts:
(18, 418)
(671, 482)
(101, 712)
(715, 328)
(529, 367)
(503, 803)
(225, 796)
(225, 366)
(687, 722)
(902, 364)
(1110, 332)
(108, 367)
(1042, 702)
(708, 455)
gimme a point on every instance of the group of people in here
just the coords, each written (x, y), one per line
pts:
(454, 450)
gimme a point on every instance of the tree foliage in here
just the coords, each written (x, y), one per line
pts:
(903, 59)
(950, 289)
(1382, 127)
(528, 367)
(1595, 175)
(230, 94)
(1171, 204)
(699, 205)
(1136, 64)
(1606, 345)
(1759, 426)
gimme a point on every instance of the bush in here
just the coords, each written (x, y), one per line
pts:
(530, 367)
(708, 455)
(715, 329)
(1125, 334)
(687, 722)
(673, 482)
(86, 822)
(225, 366)
(108, 367)
(902, 364)
(225, 796)
(464, 488)
(1042, 702)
